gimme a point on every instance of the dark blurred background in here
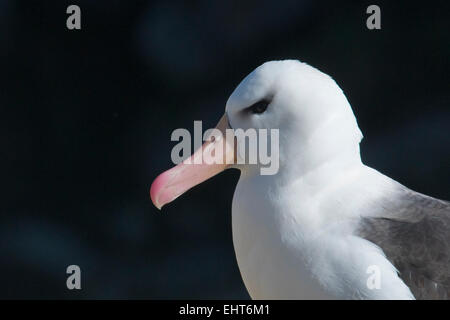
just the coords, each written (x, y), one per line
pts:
(86, 118)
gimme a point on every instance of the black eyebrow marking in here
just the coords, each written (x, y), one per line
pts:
(259, 106)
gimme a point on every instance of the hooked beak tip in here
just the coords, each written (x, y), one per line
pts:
(158, 206)
(156, 202)
(156, 190)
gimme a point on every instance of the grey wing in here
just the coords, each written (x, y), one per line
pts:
(413, 230)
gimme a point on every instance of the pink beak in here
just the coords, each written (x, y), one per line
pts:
(174, 182)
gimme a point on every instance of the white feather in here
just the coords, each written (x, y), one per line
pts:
(293, 231)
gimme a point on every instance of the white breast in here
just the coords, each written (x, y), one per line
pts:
(269, 249)
(286, 251)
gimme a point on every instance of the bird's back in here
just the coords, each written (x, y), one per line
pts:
(413, 230)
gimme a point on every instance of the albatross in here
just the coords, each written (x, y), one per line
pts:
(325, 226)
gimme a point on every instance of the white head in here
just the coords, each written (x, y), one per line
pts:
(315, 121)
(313, 115)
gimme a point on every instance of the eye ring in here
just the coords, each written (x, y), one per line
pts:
(259, 107)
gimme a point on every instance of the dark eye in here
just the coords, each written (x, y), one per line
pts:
(259, 107)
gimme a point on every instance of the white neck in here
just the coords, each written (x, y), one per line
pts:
(334, 144)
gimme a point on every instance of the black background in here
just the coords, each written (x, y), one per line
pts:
(86, 118)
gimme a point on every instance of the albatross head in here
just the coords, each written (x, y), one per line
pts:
(312, 115)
